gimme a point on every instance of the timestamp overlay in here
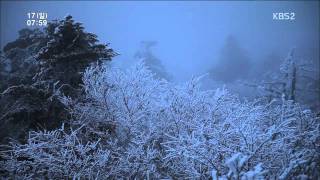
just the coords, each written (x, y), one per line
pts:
(37, 19)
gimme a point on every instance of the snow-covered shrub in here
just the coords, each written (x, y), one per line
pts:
(235, 165)
(152, 129)
(126, 105)
(57, 155)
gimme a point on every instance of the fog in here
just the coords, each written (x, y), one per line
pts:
(190, 90)
(190, 35)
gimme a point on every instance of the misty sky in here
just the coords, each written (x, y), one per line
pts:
(190, 34)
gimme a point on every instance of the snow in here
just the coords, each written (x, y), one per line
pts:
(132, 125)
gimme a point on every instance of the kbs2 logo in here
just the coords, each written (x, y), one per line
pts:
(284, 16)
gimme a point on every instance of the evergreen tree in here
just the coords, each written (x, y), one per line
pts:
(150, 60)
(233, 63)
(40, 63)
(68, 52)
(2, 70)
(19, 63)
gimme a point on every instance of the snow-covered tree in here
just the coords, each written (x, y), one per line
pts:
(296, 79)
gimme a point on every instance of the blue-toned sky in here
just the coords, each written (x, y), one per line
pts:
(190, 34)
